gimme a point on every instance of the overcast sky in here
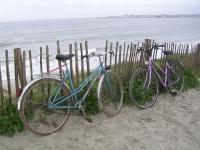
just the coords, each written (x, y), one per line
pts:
(12, 10)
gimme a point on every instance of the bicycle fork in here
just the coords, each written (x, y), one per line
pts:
(147, 78)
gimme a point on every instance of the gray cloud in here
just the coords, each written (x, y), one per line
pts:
(11, 10)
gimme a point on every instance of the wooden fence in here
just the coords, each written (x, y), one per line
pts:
(125, 61)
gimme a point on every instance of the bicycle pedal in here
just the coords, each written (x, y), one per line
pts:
(87, 118)
(173, 93)
(85, 115)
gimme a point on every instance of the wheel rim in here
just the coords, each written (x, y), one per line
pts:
(143, 92)
(111, 95)
(35, 113)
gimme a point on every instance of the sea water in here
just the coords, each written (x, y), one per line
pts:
(31, 35)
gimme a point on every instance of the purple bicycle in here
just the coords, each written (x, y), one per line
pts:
(144, 83)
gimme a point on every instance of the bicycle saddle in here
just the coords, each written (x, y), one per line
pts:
(64, 57)
(167, 52)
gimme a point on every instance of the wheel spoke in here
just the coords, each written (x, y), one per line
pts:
(143, 91)
(176, 79)
(111, 95)
(35, 114)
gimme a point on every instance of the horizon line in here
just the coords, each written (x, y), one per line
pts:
(109, 16)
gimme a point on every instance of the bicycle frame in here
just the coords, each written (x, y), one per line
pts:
(55, 104)
(152, 65)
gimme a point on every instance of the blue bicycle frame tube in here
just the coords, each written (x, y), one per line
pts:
(92, 77)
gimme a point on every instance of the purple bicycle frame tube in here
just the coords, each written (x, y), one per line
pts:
(151, 62)
(148, 73)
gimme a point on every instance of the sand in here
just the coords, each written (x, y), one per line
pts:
(172, 123)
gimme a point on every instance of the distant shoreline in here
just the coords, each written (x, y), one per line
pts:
(156, 16)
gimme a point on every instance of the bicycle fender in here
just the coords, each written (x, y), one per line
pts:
(99, 87)
(26, 87)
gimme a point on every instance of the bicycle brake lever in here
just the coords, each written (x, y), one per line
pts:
(111, 53)
(84, 56)
(139, 49)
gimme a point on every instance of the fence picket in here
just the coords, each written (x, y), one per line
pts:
(31, 64)
(76, 62)
(116, 51)
(87, 59)
(82, 62)
(8, 76)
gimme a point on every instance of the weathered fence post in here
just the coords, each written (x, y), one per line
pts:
(20, 68)
(124, 51)
(186, 55)
(24, 68)
(8, 76)
(82, 62)
(119, 61)
(130, 60)
(198, 57)
(134, 58)
(16, 72)
(41, 66)
(126, 67)
(111, 48)
(137, 56)
(47, 59)
(76, 62)
(59, 62)
(31, 65)
(147, 44)
(106, 49)
(1, 89)
(116, 51)
(71, 65)
(147, 47)
(87, 59)
(127, 51)
(19, 71)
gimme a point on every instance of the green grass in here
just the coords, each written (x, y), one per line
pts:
(10, 122)
(192, 80)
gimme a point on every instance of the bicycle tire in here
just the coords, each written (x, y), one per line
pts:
(33, 97)
(140, 95)
(110, 100)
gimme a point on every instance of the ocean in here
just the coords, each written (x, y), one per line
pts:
(31, 35)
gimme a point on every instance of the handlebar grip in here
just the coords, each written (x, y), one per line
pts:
(157, 46)
(111, 53)
(161, 45)
(139, 49)
(84, 56)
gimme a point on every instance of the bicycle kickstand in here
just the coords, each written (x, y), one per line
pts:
(171, 92)
(85, 115)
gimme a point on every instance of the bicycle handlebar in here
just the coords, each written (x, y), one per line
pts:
(93, 54)
(156, 46)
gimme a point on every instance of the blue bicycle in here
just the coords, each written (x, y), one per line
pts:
(45, 102)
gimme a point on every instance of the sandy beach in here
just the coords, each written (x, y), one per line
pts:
(172, 123)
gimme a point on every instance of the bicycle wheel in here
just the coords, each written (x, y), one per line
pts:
(143, 91)
(110, 94)
(176, 75)
(34, 111)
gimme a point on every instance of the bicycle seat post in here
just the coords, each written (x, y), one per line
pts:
(65, 63)
(100, 60)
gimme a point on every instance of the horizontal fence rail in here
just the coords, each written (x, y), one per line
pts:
(124, 62)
